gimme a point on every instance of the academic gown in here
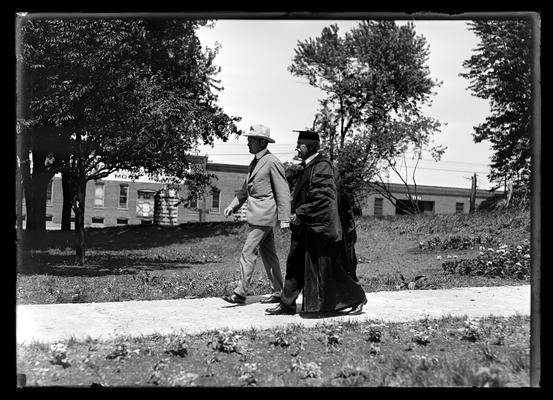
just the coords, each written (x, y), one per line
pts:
(327, 285)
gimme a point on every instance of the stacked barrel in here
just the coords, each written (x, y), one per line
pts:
(165, 207)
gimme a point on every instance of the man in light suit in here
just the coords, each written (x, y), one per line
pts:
(268, 196)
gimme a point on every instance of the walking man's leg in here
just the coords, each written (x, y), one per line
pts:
(267, 250)
(248, 258)
(247, 261)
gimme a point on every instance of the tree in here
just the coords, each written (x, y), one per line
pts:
(412, 137)
(500, 71)
(375, 79)
(112, 94)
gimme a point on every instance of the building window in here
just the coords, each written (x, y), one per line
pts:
(459, 208)
(49, 193)
(122, 221)
(426, 207)
(124, 196)
(406, 207)
(196, 204)
(97, 220)
(99, 195)
(215, 200)
(49, 218)
(378, 207)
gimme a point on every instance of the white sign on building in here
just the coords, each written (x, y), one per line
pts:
(128, 177)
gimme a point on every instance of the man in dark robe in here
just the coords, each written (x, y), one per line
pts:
(319, 258)
(349, 231)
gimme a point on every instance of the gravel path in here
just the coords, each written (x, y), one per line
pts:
(53, 322)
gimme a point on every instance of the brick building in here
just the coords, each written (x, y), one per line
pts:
(431, 200)
(120, 200)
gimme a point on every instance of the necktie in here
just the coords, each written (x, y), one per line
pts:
(254, 163)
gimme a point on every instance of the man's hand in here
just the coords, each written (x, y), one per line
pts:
(294, 220)
(228, 211)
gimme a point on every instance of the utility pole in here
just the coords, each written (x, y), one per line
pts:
(473, 195)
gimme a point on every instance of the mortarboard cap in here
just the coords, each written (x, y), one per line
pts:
(308, 135)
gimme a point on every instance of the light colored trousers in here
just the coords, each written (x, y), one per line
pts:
(260, 241)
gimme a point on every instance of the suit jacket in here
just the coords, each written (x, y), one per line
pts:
(315, 200)
(267, 192)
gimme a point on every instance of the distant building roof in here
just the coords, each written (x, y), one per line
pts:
(217, 167)
(438, 190)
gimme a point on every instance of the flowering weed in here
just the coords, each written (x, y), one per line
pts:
(505, 262)
(306, 370)
(373, 333)
(471, 330)
(58, 352)
(177, 346)
(247, 373)
(456, 242)
(119, 352)
(225, 341)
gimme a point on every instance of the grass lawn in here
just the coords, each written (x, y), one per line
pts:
(449, 352)
(201, 260)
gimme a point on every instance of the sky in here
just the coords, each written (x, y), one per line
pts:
(254, 56)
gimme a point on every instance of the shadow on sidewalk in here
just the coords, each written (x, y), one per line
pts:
(249, 300)
(325, 314)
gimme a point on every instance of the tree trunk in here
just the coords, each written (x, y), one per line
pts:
(35, 200)
(35, 181)
(19, 200)
(356, 207)
(78, 208)
(68, 191)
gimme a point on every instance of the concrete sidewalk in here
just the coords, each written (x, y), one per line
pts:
(53, 322)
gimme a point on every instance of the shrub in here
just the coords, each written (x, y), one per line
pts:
(505, 262)
(456, 242)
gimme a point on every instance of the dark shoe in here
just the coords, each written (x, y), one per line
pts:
(281, 309)
(234, 299)
(271, 299)
(357, 308)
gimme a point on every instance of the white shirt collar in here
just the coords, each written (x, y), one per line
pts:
(310, 158)
(261, 153)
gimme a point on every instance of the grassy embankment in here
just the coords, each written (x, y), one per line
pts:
(201, 260)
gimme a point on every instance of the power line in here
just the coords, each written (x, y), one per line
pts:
(443, 169)
(293, 153)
